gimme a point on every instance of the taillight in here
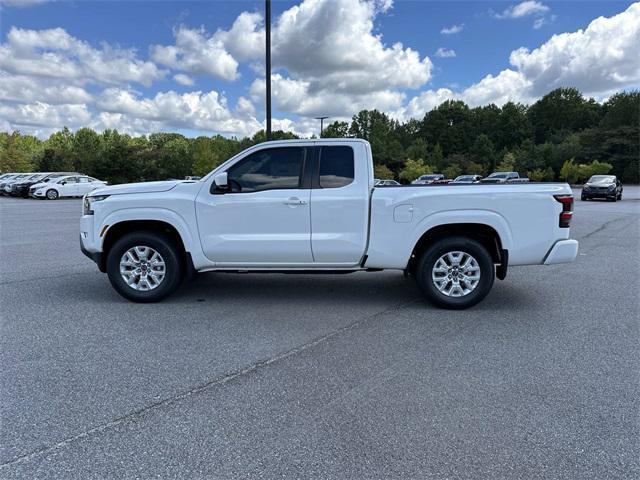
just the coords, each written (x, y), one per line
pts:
(567, 209)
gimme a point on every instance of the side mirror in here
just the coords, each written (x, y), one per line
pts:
(63, 183)
(221, 181)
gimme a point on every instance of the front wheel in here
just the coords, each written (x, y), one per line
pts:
(455, 272)
(52, 194)
(144, 266)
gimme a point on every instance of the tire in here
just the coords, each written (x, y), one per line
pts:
(583, 198)
(52, 194)
(155, 290)
(456, 245)
(620, 196)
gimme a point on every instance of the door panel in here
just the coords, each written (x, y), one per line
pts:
(264, 216)
(339, 207)
(254, 228)
(70, 188)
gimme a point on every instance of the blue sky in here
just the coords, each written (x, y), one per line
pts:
(347, 75)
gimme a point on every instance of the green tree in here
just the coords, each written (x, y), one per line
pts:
(585, 171)
(622, 109)
(437, 158)
(418, 149)
(336, 130)
(382, 172)
(482, 151)
(452, 171)
(413, 169)
(570, 172)
(562, 111)
(508, 163)
(13, 158)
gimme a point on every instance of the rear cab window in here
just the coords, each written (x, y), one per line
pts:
(336, 166)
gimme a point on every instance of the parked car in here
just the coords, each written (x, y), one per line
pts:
(6, 177)
(602, 186)
(383, 183)
(504, 177)
(69, 186)
(269, 209)
(21, 189)
(7, 184)
(467, 179)
(428, 179)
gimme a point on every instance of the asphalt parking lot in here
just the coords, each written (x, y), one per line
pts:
(345, 377)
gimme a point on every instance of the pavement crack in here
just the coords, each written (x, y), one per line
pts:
(140, 412)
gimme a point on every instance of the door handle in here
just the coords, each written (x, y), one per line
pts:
(294, 202)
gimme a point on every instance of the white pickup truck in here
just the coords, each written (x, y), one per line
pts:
(311, 206)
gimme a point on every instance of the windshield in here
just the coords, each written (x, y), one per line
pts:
(429, 177)
(602, 179)
(498, 175)
(462, 178)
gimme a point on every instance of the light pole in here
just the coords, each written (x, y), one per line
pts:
(321, 124)
(267, 21)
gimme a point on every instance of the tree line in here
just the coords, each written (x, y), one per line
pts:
(562, 136)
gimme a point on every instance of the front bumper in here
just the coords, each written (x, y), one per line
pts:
(598, 193)
(97, 257)
(563, 251)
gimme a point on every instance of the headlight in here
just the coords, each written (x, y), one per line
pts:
(89, 201)
(611, 187)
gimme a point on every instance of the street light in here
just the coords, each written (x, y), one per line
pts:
(267, 21)
(321, 124)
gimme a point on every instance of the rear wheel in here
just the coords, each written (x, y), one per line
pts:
(455, 272)
(144, 266)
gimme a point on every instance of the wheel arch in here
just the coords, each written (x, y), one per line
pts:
(123, 227)
(485, 234)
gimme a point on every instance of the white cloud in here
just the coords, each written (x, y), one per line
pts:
(453, 29)
(598, 61)
(21, 3)
(55, 54)
(245, 39)
(26, 89)
(194, 110)
(327, 48)
(183, 79)
(445, 53)
(197, 53)
(40, 114)
(332, 46)
(523, 9)
(295, 96)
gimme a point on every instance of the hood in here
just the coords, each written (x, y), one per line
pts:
(142, 187)
(599, 184)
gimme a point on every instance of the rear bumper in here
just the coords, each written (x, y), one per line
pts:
(564, 251)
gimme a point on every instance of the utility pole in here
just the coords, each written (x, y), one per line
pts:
(321, 124)
(267, 20)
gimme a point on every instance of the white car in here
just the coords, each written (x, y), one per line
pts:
(68, 186)
(310, 206)
(8, 182)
